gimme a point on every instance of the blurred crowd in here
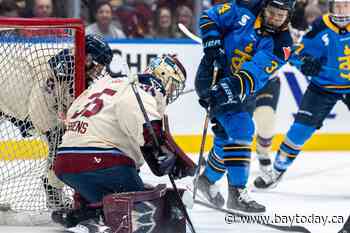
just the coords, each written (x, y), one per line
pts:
(143, 18)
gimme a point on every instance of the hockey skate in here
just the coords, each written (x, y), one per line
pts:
(346, 227)
(265, 164)
(72, 217)
(90, 226)
(239, 200)
(210, 191)
(268, 180)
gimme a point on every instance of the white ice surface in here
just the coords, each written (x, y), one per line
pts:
(316, 184)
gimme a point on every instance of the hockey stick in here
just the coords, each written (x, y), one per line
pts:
(204, 136)
(206, 121)
(300, 229)
(189, 34)
(133, 80)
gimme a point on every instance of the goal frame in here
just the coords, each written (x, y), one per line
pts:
(63, 23)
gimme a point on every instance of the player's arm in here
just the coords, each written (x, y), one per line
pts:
(213, 24)
(253, 75)
(310, 52)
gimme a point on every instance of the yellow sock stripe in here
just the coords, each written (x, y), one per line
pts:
(237, 159)
(288, 143)
(236, 147)
(215, 167)
(285, 154)
(291, 156)
(216, 158)
(205, 17)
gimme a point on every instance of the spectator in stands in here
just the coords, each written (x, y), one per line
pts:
(184, 15)
(312, 12)
(136, 18)
(43, 8)
(163, 23)
(103, 24)
(8, 8)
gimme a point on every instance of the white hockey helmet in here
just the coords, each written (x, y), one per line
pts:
(339, 12)
(172, 74)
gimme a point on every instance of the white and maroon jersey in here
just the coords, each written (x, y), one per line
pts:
(107, 115)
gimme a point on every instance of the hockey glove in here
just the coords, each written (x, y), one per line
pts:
(160, 159)
(311, 66)
(230, 89)
(214, 51)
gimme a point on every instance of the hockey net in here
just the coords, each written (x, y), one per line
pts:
(36, 88)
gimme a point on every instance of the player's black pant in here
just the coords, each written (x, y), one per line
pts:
(316, 105)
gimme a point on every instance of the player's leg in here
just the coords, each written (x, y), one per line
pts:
(265, 119)
(93, 186)
(239, 128)
(214, 169)
(316, 105)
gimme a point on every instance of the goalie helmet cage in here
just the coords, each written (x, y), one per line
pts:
(36, 89)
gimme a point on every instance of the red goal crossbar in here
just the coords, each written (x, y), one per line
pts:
(58, 23)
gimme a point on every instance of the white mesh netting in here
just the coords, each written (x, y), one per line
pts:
(37, 81)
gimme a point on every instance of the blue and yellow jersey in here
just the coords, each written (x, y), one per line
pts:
(239, 30)
(331, 45)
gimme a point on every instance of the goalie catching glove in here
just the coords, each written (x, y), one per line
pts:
(168, 158)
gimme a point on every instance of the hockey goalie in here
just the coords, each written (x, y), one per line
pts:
(108, 139)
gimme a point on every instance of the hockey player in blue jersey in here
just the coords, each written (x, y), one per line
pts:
(243, 45)
(326, 44)
(267, 98)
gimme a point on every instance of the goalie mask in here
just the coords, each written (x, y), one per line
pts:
(339, 12)
(98, 56)
(276, 15)
(172, 74)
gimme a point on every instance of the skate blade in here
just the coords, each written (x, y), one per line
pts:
(255, 189)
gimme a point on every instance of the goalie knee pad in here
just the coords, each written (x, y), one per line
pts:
(153, 211)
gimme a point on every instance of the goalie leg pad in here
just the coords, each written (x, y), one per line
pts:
(150, 211)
